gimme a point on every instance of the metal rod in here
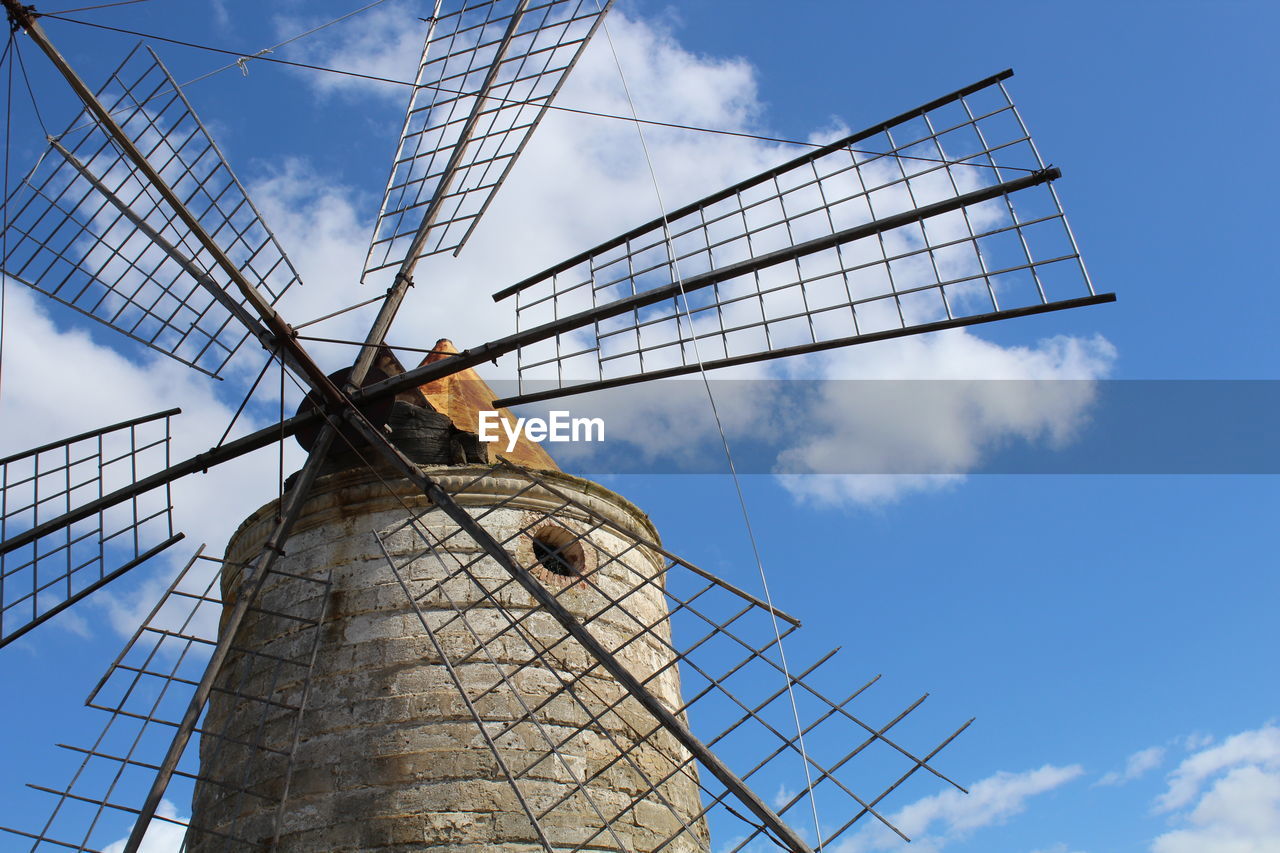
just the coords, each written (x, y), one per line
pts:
(378, 331)
(53, 445)
(852, 340)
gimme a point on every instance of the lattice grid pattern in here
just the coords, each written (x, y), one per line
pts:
(147, 690)
(43, 572)
(938, 217)
(86, 229)
(721, 640)
(488, 72)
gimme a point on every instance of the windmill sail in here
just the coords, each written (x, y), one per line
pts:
(731, 685)
(145, 692)
(47, 562)
(488, 72)
(941, 217)
(87, 229)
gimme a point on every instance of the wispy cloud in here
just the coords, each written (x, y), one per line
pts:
(937, 821)
(1136, 766)
(384, 42)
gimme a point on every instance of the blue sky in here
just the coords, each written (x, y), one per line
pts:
(1090, 623)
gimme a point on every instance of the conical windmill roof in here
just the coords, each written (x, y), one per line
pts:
(463, 395)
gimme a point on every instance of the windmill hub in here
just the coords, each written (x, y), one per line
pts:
(424, 433)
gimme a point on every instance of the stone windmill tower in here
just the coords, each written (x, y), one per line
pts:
(429, 663)
(421, 644)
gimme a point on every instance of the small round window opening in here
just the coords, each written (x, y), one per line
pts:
(558, 551)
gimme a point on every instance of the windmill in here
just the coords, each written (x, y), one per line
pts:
(942, 217)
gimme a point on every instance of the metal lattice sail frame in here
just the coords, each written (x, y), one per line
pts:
(148, 686)
(942, 217)
(87, 228)
(45, 568)
(934, 196)
(488, 73)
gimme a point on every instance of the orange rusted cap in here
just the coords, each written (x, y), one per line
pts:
(462, 395)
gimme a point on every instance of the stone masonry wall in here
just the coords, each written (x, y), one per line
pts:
(388, 757)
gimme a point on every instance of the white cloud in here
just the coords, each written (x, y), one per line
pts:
(1225, 798)
(1259, 747)
(221, 15)
(936, 436)
(162, 836)
(1196, 741)
(317, 221)
(383, 42)
(1136, 766)
(936, 821)
(783, 796)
